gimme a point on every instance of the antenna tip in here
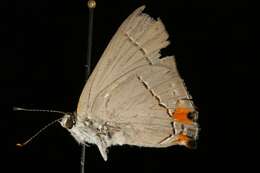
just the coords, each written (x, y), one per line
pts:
(19, 145)
(92, 4)
(16, 109)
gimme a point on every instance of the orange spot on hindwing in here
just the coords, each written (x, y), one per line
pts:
(187, 141)
(183, 138)
(186, 117)
(181, 115)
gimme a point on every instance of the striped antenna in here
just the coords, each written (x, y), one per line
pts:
(42, 129)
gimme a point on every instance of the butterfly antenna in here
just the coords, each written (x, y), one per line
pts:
(36, 134)
(38, 110)
(45, 127)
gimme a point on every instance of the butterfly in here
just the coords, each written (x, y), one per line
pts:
(134, 96)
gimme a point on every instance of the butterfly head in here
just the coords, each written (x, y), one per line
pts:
(68, 120)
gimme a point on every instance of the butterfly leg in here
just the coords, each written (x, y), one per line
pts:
(102, 148)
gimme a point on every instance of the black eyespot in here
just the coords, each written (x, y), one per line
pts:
(191, 115)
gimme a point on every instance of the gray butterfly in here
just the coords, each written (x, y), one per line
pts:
(134, 96)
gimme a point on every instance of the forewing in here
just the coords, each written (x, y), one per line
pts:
(137, 42)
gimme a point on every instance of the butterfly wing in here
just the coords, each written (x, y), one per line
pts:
(132, 90)
(137, 42)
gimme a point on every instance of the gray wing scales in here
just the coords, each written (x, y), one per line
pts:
(138, 104)
(135, 91)
(136, 43)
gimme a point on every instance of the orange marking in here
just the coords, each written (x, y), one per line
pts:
(183, 138)
(181, 115)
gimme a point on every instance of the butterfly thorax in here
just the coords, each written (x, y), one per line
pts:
(91, 131)
(82, 130)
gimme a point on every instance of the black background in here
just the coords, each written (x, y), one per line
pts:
(45, 53)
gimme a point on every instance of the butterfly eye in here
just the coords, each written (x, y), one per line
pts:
(70, 122)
